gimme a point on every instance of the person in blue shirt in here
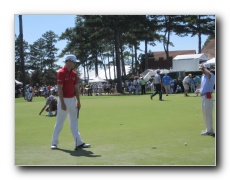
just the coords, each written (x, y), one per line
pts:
(166, 82)
(197, 83)
(206, 89)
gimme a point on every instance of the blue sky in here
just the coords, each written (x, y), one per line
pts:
(36, 25)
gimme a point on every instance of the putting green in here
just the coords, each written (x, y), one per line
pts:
(125, 130)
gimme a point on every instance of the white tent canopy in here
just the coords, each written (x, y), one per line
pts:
(211, 61)
(147, 74)
(188, 62)
(18, 82)
(201, 57)
(101, 73)
(97, 80)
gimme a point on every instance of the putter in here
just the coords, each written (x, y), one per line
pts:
(77, 113)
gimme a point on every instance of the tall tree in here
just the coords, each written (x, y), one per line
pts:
(21, 51)
(18, 64)
(37, 55)
(200, 25)
(50, 39)
(167, 24)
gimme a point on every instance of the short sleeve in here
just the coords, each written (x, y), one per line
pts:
(60, 78)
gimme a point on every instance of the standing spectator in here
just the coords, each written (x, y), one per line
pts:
(123, 86)
(192, 85)
(130, 86)
(49, 87)
(180, 83)
(107, 88)
(37, 85)
(143, 84)
(148, 86)
(44, 90)
(186, 81)
(89, 91)
(41, 91)
(176, 82)
(30, 92)
(112, 89)
(100, 86)
(68, 92)
(56, 90)
(166, 82)
(94, 89)
(152, 85)
(104, 87)
(206, 89)
(81, 89)
(172, 85)
(35, 91)
(197, 83)
(158, 86)
(136, 85)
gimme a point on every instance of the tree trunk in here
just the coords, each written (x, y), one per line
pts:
(199, 43)
(135, 51)
(122, 64)
(109, 68)
(22, 54)
(199, 35)
(96, 66)
(122, 58)
(132, 62)
(119, 84)
(114, 64)
(105, 71)
(146, 55)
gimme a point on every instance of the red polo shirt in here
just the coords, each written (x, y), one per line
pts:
(68, 79)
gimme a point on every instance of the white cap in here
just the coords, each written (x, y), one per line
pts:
(206, 65)
(158, 70)
(71, 58)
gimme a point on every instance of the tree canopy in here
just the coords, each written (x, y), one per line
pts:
(100, 41)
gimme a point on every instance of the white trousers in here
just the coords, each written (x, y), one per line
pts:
(73, 121)
(207, 107)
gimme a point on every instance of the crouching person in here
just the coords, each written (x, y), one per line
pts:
(51, 102)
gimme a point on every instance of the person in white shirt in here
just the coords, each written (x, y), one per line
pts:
(30, 92)
(100, 88)
(158, 85)
(186, 82)
(206, 90)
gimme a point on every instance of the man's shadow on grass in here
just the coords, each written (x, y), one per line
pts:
(79, 152)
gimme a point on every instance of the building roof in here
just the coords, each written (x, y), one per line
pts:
(173, 54)
(209, 49)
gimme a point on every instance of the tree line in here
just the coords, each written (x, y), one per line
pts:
(101, 41)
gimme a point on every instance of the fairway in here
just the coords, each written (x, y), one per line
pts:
(123, 130)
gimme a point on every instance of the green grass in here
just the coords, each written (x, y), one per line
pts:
(123, 131)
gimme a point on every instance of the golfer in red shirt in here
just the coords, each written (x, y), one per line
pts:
(68, 92)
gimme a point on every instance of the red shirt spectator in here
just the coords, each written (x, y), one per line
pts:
(49, 87)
